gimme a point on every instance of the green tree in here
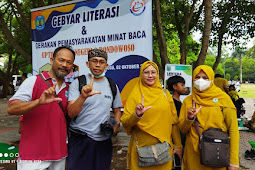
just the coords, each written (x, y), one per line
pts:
(184, 16)
(251, 52)
(15, 36)
(232, 19)
(227, 76)
(232, 68)
(239, 53)
(248, 69)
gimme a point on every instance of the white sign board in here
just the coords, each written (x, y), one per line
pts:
(123, 28)
(184, 71)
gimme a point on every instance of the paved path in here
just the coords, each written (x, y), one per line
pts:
(8, 124)
(9, 131)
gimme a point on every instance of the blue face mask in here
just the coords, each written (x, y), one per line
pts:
(101, 75)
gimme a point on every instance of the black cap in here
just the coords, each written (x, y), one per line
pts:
(97, 53)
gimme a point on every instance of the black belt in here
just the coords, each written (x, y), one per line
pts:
(76, 132)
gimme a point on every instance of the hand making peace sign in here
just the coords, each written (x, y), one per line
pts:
(140, 108)
(88, 90)
(192, 112)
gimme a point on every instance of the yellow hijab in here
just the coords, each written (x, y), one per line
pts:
(158, 120)
(213, 96)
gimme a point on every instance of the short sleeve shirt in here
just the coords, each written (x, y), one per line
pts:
(96, 108)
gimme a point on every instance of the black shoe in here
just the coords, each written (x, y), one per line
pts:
(247, 155)
(252, 154)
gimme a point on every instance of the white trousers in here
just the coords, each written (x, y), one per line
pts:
(41, 165)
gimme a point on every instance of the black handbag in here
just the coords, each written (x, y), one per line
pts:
(214, 147)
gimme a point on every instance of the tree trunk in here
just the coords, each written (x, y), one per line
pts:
(241, 68)
(7, 76)
(206, 33)
(3, 82)
(23, 17)
(161, 68)
(160, 35)
(11, 40)
(183, 48)
(184, 32)
(221, 33)
(218, 58)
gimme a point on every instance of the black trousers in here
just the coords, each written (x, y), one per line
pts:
(86, 154)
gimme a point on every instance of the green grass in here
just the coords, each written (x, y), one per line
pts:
(247, 90)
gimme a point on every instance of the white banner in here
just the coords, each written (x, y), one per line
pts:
(123, 28)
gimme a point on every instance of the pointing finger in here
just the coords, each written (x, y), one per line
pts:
(54, 86)
(92, 80)
(142, 100)
(193, 103)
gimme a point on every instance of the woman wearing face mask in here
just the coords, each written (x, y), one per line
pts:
(150, 118)
(213, 108)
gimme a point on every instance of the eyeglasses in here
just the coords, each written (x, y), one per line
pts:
(101, 62)
(147, 73)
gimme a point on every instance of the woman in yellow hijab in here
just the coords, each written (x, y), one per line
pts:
(214, 109)
(150, 114)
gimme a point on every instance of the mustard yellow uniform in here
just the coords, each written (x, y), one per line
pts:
(157, 125)
(233, 94)
(221, 83)
(218, 112)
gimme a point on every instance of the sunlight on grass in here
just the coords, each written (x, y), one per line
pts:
(247, 90)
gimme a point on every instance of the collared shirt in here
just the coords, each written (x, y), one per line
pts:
(43, 134)
(24, 92)
(96, 108)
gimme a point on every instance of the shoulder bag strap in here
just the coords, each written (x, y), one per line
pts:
(48, 83)
(136, 142)
(197, 126)
(82, 81)
(165, 93)
(113, 89)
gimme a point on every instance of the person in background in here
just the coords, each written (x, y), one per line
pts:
(237, 86)
(221, 83)
(43, 135)
(76, 72)
(233, 93)
(213, 108)
(150, 115)
(24, 77)
(176, 84)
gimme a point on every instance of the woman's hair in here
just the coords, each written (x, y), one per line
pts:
(231, 86)
(174, 81)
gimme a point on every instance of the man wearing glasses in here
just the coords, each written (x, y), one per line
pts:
(43, 134)
(88, 146)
